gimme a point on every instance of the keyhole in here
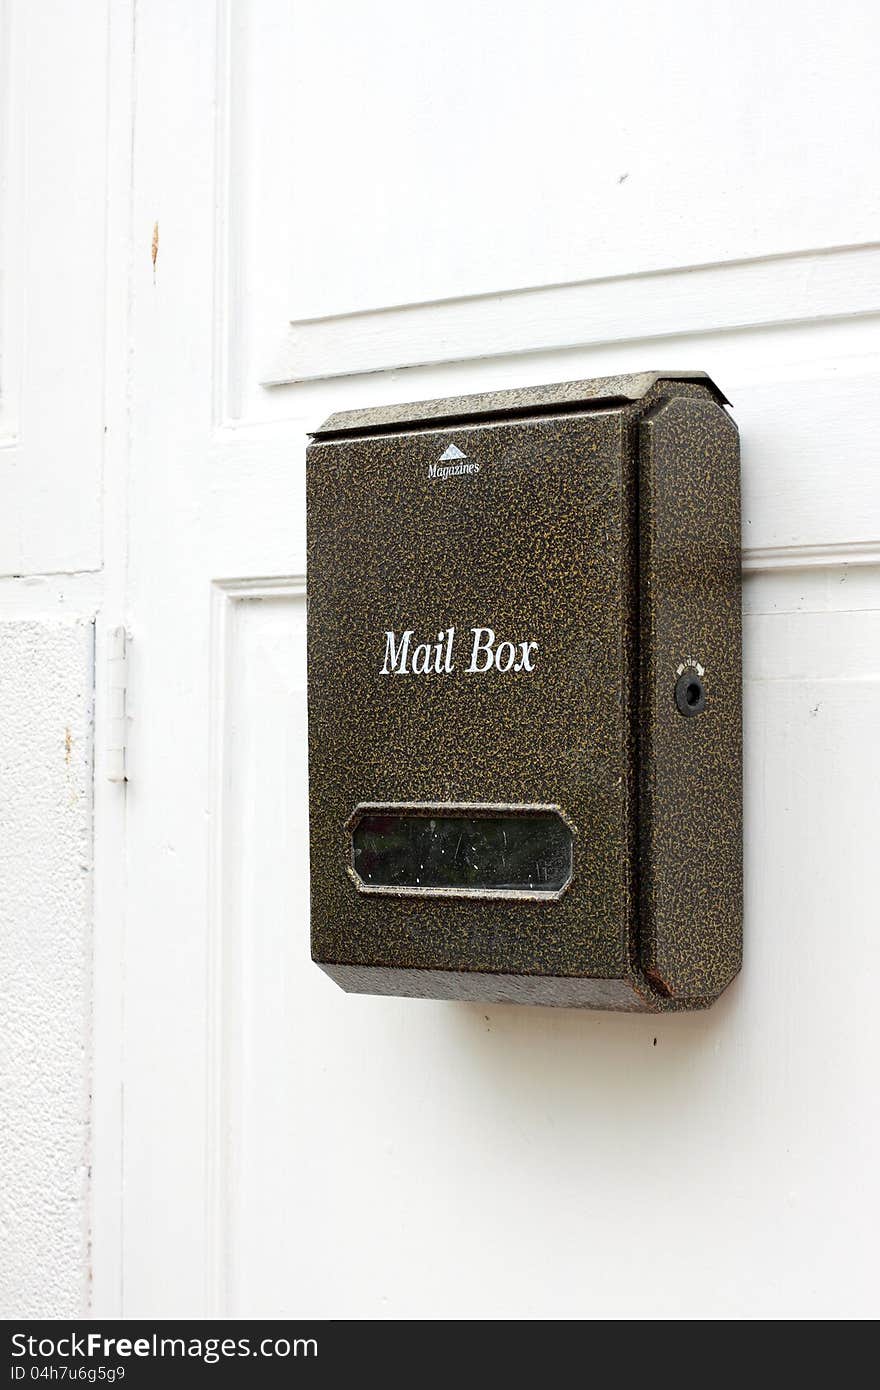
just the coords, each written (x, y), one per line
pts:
(690, 694)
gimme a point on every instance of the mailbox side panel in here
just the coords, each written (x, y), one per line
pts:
(690, 752)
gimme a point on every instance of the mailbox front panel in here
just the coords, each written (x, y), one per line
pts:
(471, 691)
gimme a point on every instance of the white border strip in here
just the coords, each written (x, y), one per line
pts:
(788, 289)
(226, 595)
(799, 557)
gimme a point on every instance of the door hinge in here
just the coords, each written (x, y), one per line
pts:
(117, 704)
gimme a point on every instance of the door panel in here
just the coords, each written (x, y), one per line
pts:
(53, 224)
(388, 1157)
(292, 1150)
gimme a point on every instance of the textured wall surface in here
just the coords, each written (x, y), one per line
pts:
(45, 965)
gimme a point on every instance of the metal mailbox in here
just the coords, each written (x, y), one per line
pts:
(524, 652)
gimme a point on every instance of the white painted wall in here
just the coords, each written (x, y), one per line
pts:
(363, 205)
(46, 676)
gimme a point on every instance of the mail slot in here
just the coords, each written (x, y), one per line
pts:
(524, 666)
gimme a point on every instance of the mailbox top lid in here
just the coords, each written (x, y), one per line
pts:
(602, 391)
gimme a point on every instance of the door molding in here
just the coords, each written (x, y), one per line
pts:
(227, 598)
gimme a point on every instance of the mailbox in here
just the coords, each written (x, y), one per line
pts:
(524, 666)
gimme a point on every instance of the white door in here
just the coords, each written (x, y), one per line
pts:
(336, 205)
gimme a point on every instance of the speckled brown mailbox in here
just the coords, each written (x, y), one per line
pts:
(525, 738)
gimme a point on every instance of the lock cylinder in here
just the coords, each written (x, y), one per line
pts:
(690, 694)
